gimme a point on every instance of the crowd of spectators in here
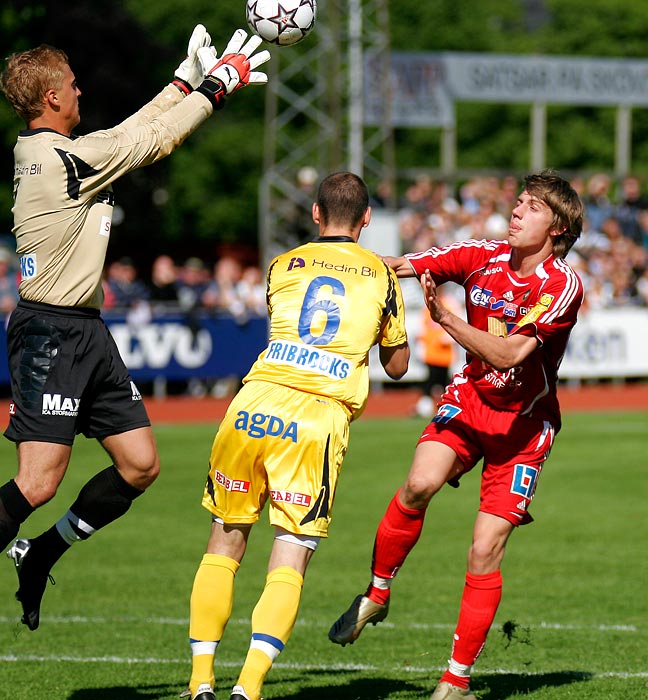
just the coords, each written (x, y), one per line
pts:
(611, 255)
(189, 287)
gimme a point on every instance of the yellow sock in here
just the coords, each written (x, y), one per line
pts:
(273, 620)
(210, 609)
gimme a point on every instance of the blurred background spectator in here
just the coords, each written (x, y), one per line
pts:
(192, 283)
(8, 282)
(125, 285)
(164, 282)
(224, 292)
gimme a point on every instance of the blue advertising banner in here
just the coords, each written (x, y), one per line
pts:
(179, 347)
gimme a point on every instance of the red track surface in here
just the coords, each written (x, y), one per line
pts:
(400, 402)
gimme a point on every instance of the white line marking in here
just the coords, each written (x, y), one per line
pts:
(183, 622)
(311, 667)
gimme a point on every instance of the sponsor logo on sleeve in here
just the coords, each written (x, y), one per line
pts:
(537, 310)
(28, 266)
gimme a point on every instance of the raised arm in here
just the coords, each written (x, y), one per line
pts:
(399, 265)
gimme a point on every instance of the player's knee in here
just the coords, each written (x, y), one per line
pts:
(150, 470)
(141, 469)
(484, 555)
(38, 492)
(417, 492)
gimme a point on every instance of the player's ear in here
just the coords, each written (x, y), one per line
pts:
(316, 213)
(366, 217)
(51, 98)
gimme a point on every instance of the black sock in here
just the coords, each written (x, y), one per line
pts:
(14, 510)
(103, 499)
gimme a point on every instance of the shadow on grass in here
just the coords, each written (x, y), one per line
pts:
(497, 687)
(144, 692)
(486, 688)
(374, 688)
(517, 685)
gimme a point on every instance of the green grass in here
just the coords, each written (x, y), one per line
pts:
(115, 625)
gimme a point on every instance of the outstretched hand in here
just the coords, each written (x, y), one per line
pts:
(189, 74)
(235, 68)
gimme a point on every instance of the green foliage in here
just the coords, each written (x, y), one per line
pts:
(572, 622)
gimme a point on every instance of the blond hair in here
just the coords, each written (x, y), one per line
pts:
(28, 75)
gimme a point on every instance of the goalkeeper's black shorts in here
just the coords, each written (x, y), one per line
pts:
(67, 377)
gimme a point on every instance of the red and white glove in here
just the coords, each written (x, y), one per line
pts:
(234, 69)
(189, 74)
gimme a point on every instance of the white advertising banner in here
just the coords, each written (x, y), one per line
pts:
(608, 343)
(551, 79)
(423, 87)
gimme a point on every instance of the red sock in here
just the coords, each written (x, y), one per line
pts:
(397, 534)
(479, 604)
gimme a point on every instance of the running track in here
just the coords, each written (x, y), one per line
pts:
(400, 403)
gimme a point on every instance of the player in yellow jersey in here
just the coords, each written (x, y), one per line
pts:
(285, 434)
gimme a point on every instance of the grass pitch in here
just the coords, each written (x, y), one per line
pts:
(573, 622)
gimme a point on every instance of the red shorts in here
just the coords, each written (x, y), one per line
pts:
(513, 447)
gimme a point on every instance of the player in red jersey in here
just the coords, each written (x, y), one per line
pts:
(522, 300)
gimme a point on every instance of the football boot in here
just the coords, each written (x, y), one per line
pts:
(32, 579)
(346, 629)
(447, 691)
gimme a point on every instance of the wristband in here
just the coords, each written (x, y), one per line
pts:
(182, 85)
(214, 90)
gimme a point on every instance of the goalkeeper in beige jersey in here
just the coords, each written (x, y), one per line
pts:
(66, 373)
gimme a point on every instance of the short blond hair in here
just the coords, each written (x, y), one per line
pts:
(28, 75)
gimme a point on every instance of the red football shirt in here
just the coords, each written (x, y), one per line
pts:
(544, 305)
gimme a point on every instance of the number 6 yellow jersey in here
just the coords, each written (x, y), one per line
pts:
(330, 301)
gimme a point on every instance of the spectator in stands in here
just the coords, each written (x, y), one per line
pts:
(223, 293)
(164, 282)
(508, 195)
(642, 287)
(192, 283)
(253, 291)
(8, 283)
(598, 206)
(128, 289)
(632, 203)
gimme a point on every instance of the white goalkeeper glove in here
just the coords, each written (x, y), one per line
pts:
(234, 69)
(189, 74)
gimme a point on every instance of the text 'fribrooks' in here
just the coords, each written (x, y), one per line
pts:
(308, 358)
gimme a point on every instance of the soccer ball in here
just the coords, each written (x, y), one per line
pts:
(282, 22)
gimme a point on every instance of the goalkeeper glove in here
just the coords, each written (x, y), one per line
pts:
(189, 74)
(235, 68)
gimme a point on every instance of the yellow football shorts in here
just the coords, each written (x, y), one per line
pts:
(278, 444)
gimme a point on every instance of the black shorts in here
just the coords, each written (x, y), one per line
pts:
(67, 377)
